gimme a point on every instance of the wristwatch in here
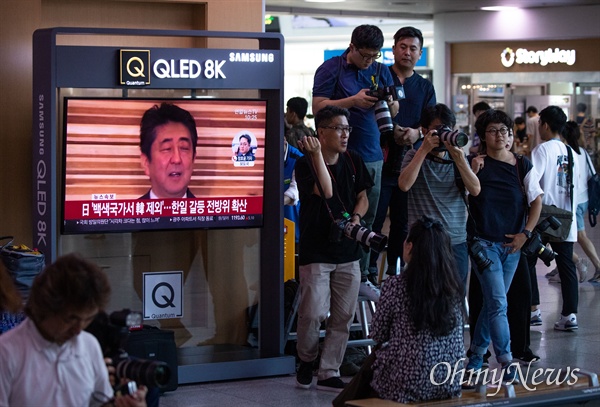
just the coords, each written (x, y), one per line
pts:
(527, 233)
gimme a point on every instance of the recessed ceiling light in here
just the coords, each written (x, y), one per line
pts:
(498, 8)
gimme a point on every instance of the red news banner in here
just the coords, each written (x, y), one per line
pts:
(174, 213)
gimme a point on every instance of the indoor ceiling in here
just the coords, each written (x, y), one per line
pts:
(403, 9)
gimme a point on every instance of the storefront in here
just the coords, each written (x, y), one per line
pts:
(512, 75)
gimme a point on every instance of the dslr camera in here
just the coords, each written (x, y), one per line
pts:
(112, 332)
(343, 227)
(478, 255)
(454, 137)
(534, 246)
(382, 110)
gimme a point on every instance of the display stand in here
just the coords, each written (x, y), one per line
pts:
(57, 66)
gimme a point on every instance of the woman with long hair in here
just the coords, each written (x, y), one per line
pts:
(419, 321)
(572, 136)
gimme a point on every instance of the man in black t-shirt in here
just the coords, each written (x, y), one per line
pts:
(332, 182)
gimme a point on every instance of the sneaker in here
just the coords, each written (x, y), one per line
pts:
(527, 357)
(568, 323)
(367, 289)
(536, 318)
(554, 279)
(595, 278)
(510, 373)
(332, 384)
(373, 279)
(582, 269)
(552, 272)
(304, 375)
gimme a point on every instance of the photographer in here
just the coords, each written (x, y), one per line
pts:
(418, 94)
(504, 214)
(429, 175)
(47, 360)
(351, 81)
(332, 182)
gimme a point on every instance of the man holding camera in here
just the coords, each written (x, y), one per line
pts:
(435, 189)
(354, 81)
(333, 183)
(48, 360)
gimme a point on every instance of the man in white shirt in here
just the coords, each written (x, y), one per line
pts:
(556, 174)
(48, 360)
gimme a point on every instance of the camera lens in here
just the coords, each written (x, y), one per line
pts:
(383, 117)
(147, 372)
(454, 137)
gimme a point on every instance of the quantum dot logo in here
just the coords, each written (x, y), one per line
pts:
(134, 67)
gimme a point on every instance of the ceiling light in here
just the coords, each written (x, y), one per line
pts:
(498, 8)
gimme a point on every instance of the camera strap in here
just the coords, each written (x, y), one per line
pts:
(458, 181)
(336, 189)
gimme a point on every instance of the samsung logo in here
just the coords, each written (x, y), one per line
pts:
(251, 57)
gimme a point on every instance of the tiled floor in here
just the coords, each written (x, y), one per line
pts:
(579, 349)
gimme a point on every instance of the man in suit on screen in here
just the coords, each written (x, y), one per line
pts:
(168, 139)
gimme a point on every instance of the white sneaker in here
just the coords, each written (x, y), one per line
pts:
(367, 289)
(582, 268)
(568, 323)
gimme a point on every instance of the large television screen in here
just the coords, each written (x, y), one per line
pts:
(112, 184)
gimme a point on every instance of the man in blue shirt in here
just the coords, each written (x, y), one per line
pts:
(345, 81)
(419, 94)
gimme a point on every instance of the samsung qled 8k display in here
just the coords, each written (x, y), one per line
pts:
(191, 163)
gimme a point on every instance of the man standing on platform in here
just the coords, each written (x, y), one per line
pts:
(419, 94)
(332, 182)
(346, 81)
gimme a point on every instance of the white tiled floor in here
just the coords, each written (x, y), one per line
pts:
(557, 349)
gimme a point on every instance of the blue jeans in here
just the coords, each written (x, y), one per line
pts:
(461, 256)
(374, 169)
(492, 323)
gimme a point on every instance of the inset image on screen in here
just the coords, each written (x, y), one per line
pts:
(151, 164)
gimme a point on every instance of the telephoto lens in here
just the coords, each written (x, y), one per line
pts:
(454, 137)
(375, 241)
(383, 117)
(150, 373)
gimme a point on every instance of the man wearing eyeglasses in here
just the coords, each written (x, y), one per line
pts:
(344, 81)
(332, 182)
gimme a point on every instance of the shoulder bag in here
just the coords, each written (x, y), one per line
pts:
(564, 216)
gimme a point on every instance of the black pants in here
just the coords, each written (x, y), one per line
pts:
(519, 308)
(397, 200)
(569, 285)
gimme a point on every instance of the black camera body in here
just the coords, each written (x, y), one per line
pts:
(343, 227)
(396, 92)
(112, 333)
(534, 246)
(478, 255)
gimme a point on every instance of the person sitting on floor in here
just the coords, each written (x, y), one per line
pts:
(419, 321)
